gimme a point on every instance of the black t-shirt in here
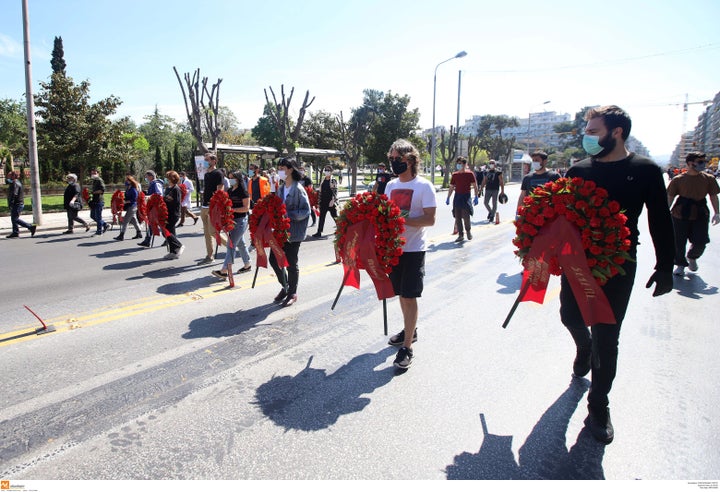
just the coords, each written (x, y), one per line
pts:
(635, 181)
(173, 198)
(382, 179)
(237, 195)
(210, 184)
(493, 180)
(532, 180)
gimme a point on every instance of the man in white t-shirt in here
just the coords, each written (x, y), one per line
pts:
(416, 198)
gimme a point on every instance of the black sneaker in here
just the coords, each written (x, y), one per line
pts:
(399, 338)
(600, 425)
(281, 296)
(33, 228)
(469, 236)
(404, 358)
(219, 274)
(105, 227)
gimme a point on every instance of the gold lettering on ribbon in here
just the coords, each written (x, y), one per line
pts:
(588, 285)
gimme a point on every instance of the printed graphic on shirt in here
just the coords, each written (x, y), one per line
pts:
(402, 198)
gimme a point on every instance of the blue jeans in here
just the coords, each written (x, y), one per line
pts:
(238, 241)
(15, 218)
(96, 214)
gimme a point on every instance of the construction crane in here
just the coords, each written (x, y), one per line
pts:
(685, 109)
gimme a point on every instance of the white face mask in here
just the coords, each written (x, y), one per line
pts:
(233, 182)
(281, 175)
(535, 165)
(328, 173)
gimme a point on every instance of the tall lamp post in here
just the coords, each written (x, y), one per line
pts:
(432, 141)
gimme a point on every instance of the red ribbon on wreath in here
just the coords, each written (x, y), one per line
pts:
(86, 195)
(369, 237)
(183, 191)
(221, 215)
(314, 199)
(269, 227)
(141, 208)
(117, 204)
(157, 215)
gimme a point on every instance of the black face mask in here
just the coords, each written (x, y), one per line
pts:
(398, 166)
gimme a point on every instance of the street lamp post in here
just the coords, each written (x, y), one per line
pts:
(432, 139)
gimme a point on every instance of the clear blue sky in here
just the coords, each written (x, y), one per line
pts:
(642, 55)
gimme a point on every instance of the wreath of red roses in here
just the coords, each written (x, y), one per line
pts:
(141, 208)
(157, 214)
(86, 195)
(313, 198)
(280, 224)
(226, 220)
(183, 191)
(384, 215)
(604, 235)
(117, 204)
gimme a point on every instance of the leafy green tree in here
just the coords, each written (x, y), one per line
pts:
(158, 163)
(266, 131)
(13, 130)
(72, 132)
(159, 130)
(393, 120)
(490, 136)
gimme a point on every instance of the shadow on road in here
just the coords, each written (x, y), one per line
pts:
(313, 400)
(693, 286)
(510, 283)
(228, 324)
(543, 455)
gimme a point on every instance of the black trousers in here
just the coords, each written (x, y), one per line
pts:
(289, 277)
(324, 209)
(605, 337)
(695, 231)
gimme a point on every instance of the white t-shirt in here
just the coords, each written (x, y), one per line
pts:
(412, 196)
(190, 188)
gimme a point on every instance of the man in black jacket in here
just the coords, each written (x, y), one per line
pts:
(16, 203)
(635, 182)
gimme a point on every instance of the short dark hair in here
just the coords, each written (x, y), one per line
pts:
(693, 156)
(613, 117)
(539, 153)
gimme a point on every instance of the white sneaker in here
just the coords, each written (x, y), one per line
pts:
(180, 251)
(679, 271)
(693, 264)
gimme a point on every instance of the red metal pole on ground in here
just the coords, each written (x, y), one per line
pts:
(45, 328)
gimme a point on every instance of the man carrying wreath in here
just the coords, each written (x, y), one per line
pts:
(415, 196)
(633, 181)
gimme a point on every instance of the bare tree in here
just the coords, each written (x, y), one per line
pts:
(198, 110)
(448, 152)
(354, 135)
(280, 114)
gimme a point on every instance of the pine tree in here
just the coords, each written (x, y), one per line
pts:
(58, 61)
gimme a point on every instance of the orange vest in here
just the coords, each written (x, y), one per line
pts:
(264, 186)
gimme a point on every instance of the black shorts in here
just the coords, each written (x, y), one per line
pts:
(407, 276)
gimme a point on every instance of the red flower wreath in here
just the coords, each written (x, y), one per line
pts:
(183, 191)
(604, 235)
(117, 204)
(273, 205)
(157, 214)
(313, 198)
(221, 212)
(141, 208)
(86, 195)
(387, 220)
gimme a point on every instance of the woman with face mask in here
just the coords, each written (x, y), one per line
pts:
(241, 206)
(173, 199)
(72, 201)
(132, 192)
(328, 199)
(298, 211)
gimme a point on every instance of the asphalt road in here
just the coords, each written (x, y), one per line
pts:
(157, 370)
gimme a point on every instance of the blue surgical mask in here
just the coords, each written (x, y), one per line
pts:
(9, 181)
(591, 144)
(535, 165)
(251, 173)
(233, 182)
(458, 166)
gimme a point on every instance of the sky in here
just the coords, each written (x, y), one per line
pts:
(648, 57)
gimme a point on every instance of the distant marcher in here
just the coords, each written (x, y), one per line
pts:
(690, 214)
(72, 202)
(539, 176)
(155, 187)
(492, 184)
(187, 200)
(241, 207)
(298, 211)
(172, 195)
(213, 181)
(462, 182)
(307, 182)
(274, 180)
(258, 185)
(327, 199)
(130, 206)
(97, 202)
(16, 203)
(381, 179)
